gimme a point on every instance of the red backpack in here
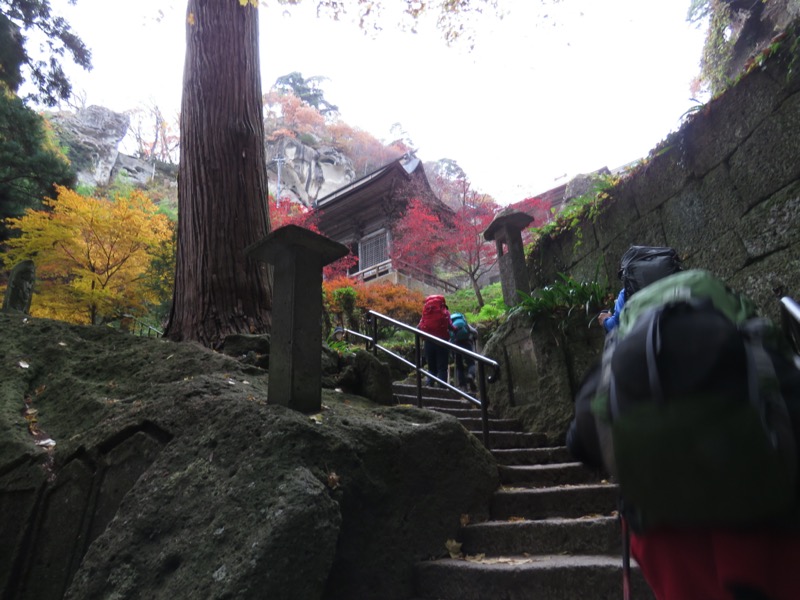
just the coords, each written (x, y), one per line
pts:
(435, 317)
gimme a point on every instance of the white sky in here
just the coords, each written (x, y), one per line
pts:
(538, 101)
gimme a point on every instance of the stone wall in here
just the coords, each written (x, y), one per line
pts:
(724, 190)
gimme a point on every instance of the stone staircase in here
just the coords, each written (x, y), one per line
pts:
(553, 532)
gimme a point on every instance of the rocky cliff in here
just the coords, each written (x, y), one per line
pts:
(305, 170)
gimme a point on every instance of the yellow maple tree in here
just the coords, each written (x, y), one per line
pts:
(92, 255)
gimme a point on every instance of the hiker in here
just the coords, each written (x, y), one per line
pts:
(436, 321)
(639, 266)
(464, 335)
(697, 416)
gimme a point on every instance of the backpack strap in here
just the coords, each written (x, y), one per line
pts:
(652, 350)
(764, 389)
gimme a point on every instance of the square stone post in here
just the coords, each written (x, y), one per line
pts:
(295, 358)
(506, 230)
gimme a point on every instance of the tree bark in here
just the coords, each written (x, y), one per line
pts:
(222, 179)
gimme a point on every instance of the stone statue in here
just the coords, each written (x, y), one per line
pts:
(20, 288)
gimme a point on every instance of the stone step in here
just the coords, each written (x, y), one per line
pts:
(513, 439)
(590, 535)
(460, 413)
(532, 456)
(475, 423)
(570, 501)
(402, 389)
(548, 475)
(437, 403)
(532, 577)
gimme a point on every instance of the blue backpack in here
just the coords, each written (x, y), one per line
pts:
(462, 332)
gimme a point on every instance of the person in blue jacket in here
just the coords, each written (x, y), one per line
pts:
(610, 320)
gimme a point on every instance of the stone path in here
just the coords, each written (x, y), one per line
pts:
(553, 532)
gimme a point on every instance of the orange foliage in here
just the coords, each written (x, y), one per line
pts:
(92, 255)
(290, 112)
(390, 299)
(393, 300)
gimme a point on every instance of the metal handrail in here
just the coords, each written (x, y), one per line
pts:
(482, 361)
(143, 327)
(790, 319)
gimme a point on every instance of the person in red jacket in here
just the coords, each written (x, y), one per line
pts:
(436, 321)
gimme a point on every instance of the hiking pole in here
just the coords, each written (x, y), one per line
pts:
(626, 560)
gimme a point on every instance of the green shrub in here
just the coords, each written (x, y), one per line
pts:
(563, 298)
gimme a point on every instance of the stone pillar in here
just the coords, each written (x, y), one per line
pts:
(295, 357)
(20, 288)
(506, 230)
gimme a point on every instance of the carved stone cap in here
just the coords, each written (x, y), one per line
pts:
(291, 238)
(506, 220)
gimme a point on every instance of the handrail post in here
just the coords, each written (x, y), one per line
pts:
(484, 404)
(374, 335)
(418, 361)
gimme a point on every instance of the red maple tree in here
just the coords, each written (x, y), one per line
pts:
(417, 237)
(425, 240)
(288, 212)
(466, 251)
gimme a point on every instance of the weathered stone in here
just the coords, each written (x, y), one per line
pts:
(298, 256)
(367, 376)
(505, 230)
(714, 133)
(189, 485)
(772, 225)
(538, 374)
(93, 135)
(240, 344)
(306, 174)
(19, 292)
(584, 183)
(762, 164)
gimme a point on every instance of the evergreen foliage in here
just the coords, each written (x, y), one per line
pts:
(46, 73)
(30, 162)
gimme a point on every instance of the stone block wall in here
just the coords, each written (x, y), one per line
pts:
(724, 191)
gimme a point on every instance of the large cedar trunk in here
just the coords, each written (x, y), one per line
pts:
(222, 182)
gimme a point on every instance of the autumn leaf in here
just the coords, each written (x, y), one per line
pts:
(190, 19)
(333, 480)
(454, 548)
(464, 520)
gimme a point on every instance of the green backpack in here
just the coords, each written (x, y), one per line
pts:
(691, 416)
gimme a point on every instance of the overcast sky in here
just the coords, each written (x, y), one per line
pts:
(548, 92)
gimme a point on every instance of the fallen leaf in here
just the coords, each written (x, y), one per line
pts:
(316, 418)
(475, 557)
(454, 548)
(333, 480)
(464, 520)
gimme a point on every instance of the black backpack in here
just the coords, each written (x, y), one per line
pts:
(698, 408)
(642, 265)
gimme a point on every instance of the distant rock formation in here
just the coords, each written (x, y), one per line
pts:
(308, 171)
(92, 136)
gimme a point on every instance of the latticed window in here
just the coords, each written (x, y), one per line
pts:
(373, 250)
